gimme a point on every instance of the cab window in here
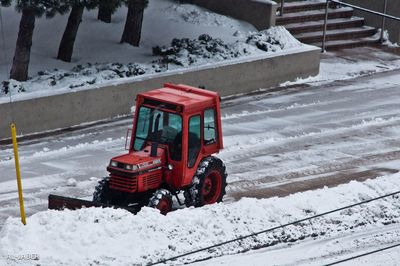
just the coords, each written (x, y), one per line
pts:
(194, 138)
(210, 135)
(168, 131)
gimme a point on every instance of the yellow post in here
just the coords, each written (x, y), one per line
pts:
(18, 172)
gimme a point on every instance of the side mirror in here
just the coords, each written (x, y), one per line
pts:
(128, 138)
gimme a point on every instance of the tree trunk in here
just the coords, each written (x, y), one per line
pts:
(133, 24)
(68, 39)
(19, 69)
(104, 13)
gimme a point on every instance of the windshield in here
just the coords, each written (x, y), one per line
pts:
(168, 131)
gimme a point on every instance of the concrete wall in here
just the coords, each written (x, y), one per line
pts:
(66, 110)
(393, 9)
(259, 13)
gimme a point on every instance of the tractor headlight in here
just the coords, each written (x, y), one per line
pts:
(131, 167)
(170, 167)
(114, 163)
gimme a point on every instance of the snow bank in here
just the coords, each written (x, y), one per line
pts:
(273, 39)
(181, 54)
(116, 237)
(100, 60)
(99, 42)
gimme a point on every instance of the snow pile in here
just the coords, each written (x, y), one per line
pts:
(71, 182)
(78, 77)
(273, 39)
(116, 237)
(182, 52)
(206, 49)
(387, 41)
(200, 16)
(185, 52)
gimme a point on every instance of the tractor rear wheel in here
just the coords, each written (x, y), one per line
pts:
(162, 200)
(209, 182)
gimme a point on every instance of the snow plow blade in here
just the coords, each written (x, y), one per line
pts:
(60, 203)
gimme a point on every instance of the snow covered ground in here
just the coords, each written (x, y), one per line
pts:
(99, 42)
(276, 143)
(313, 135)
(99, 58)
(335, 68)
(116, 237)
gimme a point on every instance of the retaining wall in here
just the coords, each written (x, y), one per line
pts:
(260, 13)
(69, 109)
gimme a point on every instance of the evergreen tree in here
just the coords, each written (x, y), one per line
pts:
(19, 69)
(134, 19)
(30, 9)
(5, 3)
(106, 9)
(66, 47)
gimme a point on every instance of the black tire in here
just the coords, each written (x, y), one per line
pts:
(162, 200)
(209, 183)
(102, 193)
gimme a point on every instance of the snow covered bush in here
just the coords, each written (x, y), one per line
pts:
(273, 39)
(185, 52)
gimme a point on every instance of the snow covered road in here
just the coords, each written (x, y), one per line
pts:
(275, 144)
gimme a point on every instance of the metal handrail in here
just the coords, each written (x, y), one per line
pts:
(383, 15)
(281, 11)
(366, 9)
(383, 20)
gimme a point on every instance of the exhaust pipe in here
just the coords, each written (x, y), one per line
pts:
(154, 143)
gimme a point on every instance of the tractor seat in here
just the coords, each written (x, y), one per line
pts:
(168, 134)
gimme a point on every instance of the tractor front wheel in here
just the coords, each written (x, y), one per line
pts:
(102, 193)
(208, 185)
(162, 200)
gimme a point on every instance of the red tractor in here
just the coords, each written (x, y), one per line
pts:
(176, 131)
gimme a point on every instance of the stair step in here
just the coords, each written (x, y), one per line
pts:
(290, 7)
(343, 12)
(338, 34)
(351, 43)
(318, 25)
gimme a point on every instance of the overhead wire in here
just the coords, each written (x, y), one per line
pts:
(271, 229)
(363, 255)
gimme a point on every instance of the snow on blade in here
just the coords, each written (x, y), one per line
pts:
(116, 237)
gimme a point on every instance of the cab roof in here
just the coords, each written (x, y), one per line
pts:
(186, 96)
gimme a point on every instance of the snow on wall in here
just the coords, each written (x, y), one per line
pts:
(99, 57)
(182, 54)
(116, 237)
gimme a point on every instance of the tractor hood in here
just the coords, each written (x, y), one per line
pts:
(138, 160)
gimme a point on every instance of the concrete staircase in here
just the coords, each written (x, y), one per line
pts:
(305, 21)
